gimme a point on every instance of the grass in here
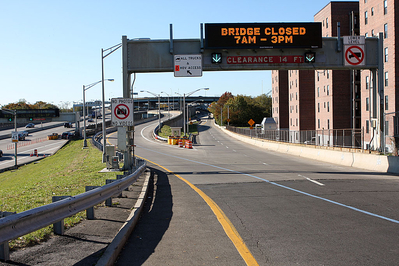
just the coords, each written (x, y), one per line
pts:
(67, 172)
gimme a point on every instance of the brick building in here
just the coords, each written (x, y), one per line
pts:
(337, 94)
(280, 98)
(347, 99)
(381, 16)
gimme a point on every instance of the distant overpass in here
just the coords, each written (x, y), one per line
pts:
(175, 101)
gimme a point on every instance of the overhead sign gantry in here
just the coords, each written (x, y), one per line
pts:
(254, 46)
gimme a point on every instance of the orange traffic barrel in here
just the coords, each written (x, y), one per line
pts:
(189, 144)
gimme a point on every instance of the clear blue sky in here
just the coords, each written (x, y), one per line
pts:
(50, 49)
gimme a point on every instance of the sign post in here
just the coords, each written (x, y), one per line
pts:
(122, 112)
(354, 51)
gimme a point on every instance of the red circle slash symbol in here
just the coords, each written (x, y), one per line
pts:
(121, 111)
(354, 55)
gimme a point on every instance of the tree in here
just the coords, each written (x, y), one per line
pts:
(241, 109)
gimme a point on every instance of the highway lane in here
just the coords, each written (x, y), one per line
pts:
(35, 140)
(288, 210)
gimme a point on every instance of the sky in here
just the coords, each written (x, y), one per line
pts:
(50, 49)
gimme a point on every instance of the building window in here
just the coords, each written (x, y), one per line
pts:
(367, 127)
(367, 82)
(372, 11)
(385, 30)
(297, 122)
(385, 7)
(386, 128)
(386, 102)
(328, 89)
(318, 123)
(328, 74)
(366, 18)
(296, 107)
(367, 104)
(372, 33)
(386, 78)
(328, 106)
(318, 107)
(318, 91)
(386, 54)
(327, 23)
(366, 34)
(328, 123)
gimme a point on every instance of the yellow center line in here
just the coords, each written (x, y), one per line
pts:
(228, 227)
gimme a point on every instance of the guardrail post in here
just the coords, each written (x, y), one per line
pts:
(120, 177)
(59, 226)
(108, 202)
(4, 247)
(90, 211)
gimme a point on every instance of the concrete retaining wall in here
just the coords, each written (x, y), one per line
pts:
(372, 162)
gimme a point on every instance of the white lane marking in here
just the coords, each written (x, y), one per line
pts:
(265, 163)
(311, 180)
(282, 186)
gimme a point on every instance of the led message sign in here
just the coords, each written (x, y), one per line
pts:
(263, 35)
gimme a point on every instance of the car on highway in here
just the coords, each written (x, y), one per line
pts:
(1, 153)
(25, 133)
(68, 124)
(68, 135)
(90, 120)
(30, 125)
(21, 136)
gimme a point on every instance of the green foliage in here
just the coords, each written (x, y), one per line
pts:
(67, 172)
(22, 104)
(240, 109)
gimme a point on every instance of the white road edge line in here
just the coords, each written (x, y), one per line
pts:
(311, 180)
(285, 187)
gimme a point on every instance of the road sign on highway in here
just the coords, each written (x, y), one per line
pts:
(189, 65)
(122, 112)
(354, 55)
(14, 136)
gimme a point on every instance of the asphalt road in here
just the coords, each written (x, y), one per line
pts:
(288, 210)
(35, 140)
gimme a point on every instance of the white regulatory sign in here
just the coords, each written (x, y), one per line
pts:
(354, 55)
(188, 65)
(352, 40)
(14, 136)
(122, 112)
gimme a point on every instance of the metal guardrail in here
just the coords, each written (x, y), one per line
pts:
(344, 138)
(14, 226)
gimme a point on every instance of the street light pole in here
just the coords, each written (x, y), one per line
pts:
(85, 88)
(14, 112)
(112, 49)
(168, 103)
(159, 107)
(184, 103)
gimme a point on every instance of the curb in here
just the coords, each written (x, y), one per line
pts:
(112, 252)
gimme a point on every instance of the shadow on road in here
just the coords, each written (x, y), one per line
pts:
(154, 222)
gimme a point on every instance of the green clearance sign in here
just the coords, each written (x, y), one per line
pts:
(263, 35)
